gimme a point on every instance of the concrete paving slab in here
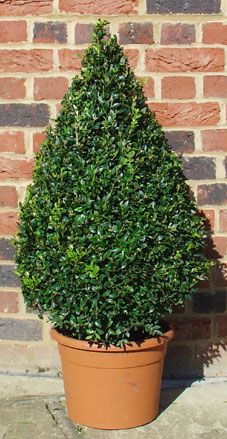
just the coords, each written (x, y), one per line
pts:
(26, 419)
(198, 412)
(20, 386)
(34, 407)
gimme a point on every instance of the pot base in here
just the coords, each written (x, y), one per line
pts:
(112, 388)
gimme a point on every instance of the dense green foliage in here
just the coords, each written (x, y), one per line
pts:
(110, 239)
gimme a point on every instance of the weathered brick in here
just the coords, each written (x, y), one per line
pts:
(24, 115)
(212, 358)
(7, 277)
(8, 223)
(9, 302)
(99, 7)
(13, 31)
(83, 33)
(185, 60)
(214, 140)
(209, 216)
(223, 220)
(199, 168)
(70, 59)
(216, 247)
(7, 250)
(186, 114)
(212, 194)
(181, 141)
(28, 7)
(215, 86)
(29, 356)
(136, 33)
(178, 309)
(182, 355)
(207, 303)
(50, 88)
(178, 87)
(12, 141)
(191, 329)
(177, 33)
(34, 60)
(219, 275)
(15, 329)
(50, 32)
(12, 88)
(225, 164)
(183, 6)
(133, 57)
(215, 33)
(221, 326)
(148, 86)
(15, 169)
(8, 196)
(38, 138)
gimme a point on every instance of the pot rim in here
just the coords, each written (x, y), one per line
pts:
(95, 347)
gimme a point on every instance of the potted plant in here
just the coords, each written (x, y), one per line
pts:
(110, 240)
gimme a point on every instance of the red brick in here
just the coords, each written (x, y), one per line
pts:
(148, 86)
(15, 169)
(99, 7)
(34, 60)
(50, 88)
(70, 59)
(185, 60)
(221, 325)
(179, 33)
(8, 223)
(178, 87)
(13, 31)
(12, 88)
(186, 114)
(214, 140)
(219, 275)
(133, 57)
(216, 247)
(38, 138)
(12, 141)
(209, 216)
(215, 86)
(28, 7)
(191, 329)
(136, 33)
(9, 301)
(8, 196)
(215, 33)
(223, 220)
(83, 33)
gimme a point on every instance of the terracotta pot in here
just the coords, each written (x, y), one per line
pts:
(112, 388)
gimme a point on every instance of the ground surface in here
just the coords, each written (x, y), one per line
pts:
(33, 407)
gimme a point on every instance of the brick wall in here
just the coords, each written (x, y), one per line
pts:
(179, 46)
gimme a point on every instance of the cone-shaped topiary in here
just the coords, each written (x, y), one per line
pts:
(110, 239)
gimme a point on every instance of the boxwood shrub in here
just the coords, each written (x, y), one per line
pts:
(110, 239)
